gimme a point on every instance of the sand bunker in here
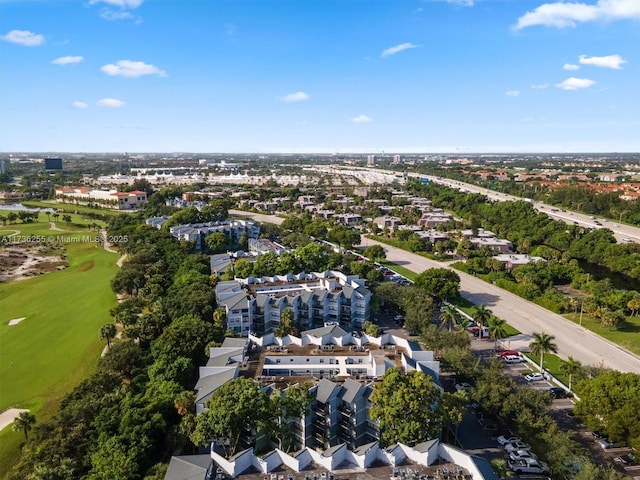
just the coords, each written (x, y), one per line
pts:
(16, 321)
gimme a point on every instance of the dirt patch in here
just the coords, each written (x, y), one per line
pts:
(86, 266)
(22, 261)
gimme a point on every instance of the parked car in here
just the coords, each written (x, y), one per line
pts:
(606, 444)
(503, 440)
(534, 377)
(515, 446)
(463, 387)
(558, 392)
(529, 465)
(512, 359)
(521, 455)
(514, 353)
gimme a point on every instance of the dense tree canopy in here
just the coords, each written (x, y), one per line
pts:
(405, 406)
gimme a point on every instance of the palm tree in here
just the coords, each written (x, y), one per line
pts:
(107, 332)
(24, 422)
(448, 317)
(542, 343)
(66, 219)
(482, 315)
(497, 330)
(570, 367)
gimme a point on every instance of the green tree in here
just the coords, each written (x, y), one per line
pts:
(23, 423)
(405, 407)
(288, 406)
(107, 332)
(371, 329)
(66, 219)
(542, 343)
(497, 330)
(243, 268)
(374, 252)
(217, 241)
(440, 282)
(501, 468)
(481, 315)
(611, 403)
(448, 317)
(287, 325)
(237, 407)
(570, 367)
(112, 459)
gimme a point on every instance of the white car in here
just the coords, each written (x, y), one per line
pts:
(521, 455)
(516, 446)
(529, 465)
(502, 440)
(534, 377)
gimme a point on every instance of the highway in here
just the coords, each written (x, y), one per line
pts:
(572, 340)
(623, 233)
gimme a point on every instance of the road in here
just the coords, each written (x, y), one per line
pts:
(623, 233)
(571, 339)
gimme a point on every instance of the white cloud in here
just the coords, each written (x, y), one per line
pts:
(397, 49)
(109, 14)
(110, 103)
(78, 104)
(23, 37)
(540, 86)
(609, 61)
(131, 69)
(562, 15)
(571, 66)
(464, 3)
(295, 97)
(513, 93)
(119, 3)
(574, 83)
(362, 119)
(68, 60)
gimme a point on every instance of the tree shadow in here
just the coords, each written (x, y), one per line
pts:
(480, 298)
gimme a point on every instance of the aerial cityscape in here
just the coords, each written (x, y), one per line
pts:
(320, 240)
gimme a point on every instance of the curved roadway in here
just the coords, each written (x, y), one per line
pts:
(571, 339)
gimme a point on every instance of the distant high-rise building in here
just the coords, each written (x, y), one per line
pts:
(371, 160)
(397, 160)
(1, 167)
(53, 164)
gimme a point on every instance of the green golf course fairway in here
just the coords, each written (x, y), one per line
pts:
(57, 345)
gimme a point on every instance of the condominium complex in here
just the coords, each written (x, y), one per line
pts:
(254, 305)
(197, 232)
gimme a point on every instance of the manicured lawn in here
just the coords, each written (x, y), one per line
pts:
(627, 335)
(57, 345)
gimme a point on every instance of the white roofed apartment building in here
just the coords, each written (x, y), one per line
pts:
(255, 304)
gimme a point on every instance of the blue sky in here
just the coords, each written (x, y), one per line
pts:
(320, 76)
